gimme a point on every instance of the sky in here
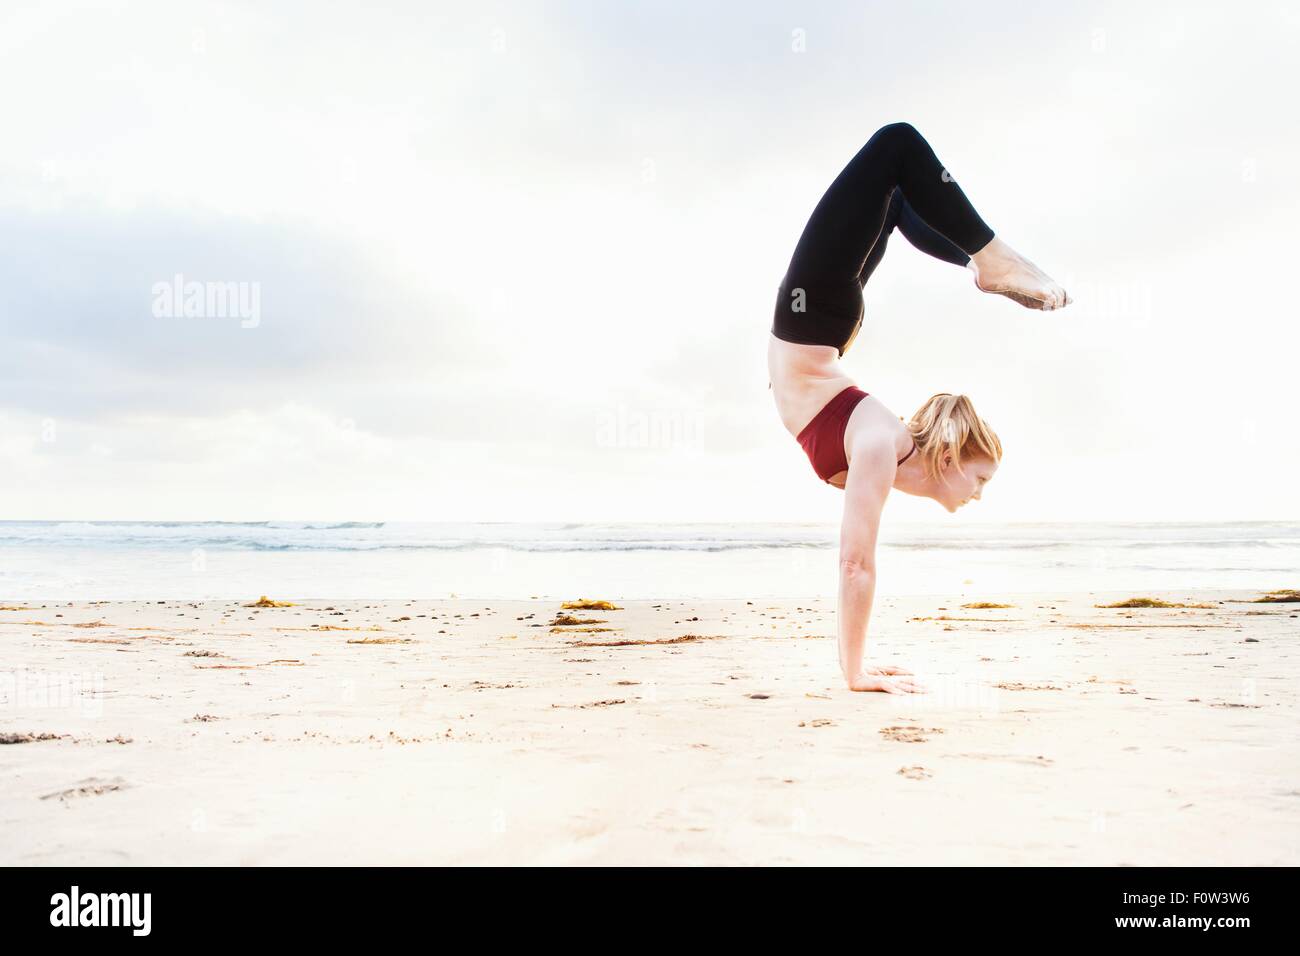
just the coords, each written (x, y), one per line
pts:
(517, 261)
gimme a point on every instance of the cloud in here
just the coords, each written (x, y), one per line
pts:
(520, 261)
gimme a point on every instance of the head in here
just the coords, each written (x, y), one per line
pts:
(957, 449)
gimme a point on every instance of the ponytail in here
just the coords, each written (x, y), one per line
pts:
(948, 425)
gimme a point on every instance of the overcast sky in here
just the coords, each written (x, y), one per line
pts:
(517, 261)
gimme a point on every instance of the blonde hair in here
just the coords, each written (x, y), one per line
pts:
(948, 425)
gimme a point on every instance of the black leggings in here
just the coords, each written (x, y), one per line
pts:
(894, 180)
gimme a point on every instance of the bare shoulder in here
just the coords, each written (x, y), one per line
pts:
(874, 434)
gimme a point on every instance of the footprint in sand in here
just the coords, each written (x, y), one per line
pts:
(914, 773)
(90, 787)
(909, 734)
(817, 722)
(1037, 761)
(594, 703)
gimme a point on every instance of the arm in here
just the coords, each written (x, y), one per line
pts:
(871, 476)
(865, 490)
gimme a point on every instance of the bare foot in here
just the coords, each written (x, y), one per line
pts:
(999, 268)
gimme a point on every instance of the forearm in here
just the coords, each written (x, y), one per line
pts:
(857, 591)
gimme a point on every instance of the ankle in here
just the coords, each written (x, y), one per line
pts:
(995, 250)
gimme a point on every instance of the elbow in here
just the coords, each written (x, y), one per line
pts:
(856, 567)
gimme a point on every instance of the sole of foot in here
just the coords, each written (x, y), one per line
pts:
(1029, 302)
(1001, 270)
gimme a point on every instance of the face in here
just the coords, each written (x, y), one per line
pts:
(957, 489)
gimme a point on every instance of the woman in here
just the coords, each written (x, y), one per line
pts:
(947, 452)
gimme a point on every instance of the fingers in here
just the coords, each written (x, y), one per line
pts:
(883, 669)
(871, 679)
(903, 686)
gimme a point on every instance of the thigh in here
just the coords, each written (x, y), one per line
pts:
(876, 252)
(852, 216)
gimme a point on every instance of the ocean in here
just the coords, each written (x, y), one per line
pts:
(157, 560)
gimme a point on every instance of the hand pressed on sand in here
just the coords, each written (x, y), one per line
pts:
(884, 678)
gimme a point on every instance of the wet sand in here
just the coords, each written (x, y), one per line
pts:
(457, 731)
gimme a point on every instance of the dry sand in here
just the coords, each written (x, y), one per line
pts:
(472, 732)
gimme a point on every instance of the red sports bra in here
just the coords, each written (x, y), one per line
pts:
(823, 437)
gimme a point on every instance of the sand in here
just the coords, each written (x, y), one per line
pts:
(472, 732)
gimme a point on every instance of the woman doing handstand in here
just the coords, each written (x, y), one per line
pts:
(946, 452)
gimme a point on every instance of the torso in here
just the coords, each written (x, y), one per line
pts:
(805, 377)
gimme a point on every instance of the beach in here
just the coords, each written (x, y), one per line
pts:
(472, 731)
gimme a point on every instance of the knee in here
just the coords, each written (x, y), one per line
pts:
(900, 131)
